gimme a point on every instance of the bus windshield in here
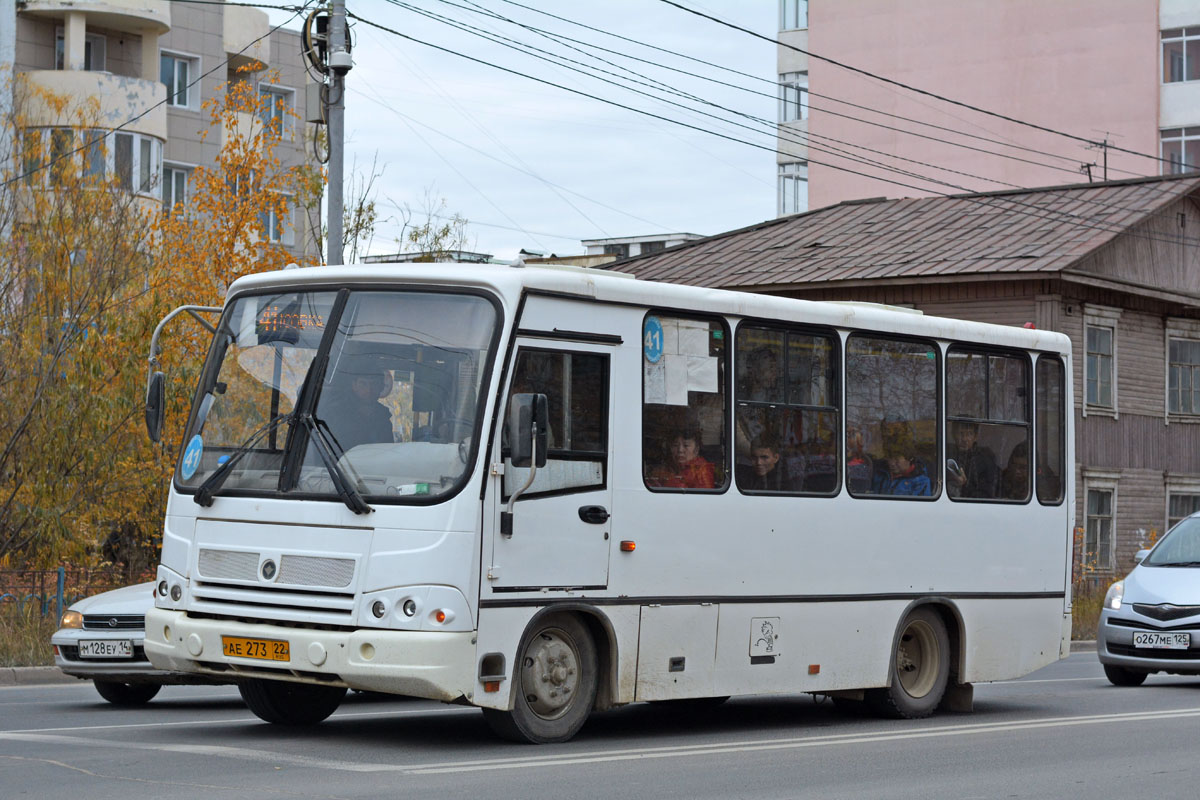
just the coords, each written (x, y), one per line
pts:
(391, 378)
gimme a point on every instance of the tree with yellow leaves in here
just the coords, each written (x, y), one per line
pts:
(91, 265)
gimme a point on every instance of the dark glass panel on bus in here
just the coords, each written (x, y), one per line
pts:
(576, 389)
(684, 418)
(988, 432)
(787, 416)
(891, 417)
(399, 394)
(1050, 414)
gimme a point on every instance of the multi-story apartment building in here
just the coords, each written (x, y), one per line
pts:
(151, 64)
(1122, 75)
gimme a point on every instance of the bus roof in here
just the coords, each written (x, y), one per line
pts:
(601, 285)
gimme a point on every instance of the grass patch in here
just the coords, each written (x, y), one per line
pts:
(1087, 596)
(25, 636)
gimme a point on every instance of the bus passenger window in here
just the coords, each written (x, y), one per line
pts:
(787, 416)
(1051, 430)
(891, 417)
(576, 389)
(684, 415)
(987, 412)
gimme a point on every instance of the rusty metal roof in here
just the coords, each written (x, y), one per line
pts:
(1012, 232)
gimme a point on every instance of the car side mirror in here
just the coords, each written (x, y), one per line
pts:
(1140, 556)
(528, 422)
(155, 403)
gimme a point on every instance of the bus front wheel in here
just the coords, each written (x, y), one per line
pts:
(285, 703)
(920, 668)
(555, 682)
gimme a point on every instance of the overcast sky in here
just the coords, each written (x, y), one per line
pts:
(533, 166)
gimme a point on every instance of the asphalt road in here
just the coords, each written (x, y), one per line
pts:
(1061, 732)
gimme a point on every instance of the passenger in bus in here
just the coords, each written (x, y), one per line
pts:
(1014, 480)
(687, 469)
(760, 381)
(905, 474)
(766, 472)
(976, 474)
(859, 466)
(351, 405)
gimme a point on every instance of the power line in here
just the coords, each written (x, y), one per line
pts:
(907, 87)
(67, 154)
(771, 126)
(1037, 212)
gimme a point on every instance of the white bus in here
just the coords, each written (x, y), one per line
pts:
(549, 491)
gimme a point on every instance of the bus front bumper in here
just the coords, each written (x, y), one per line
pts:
(434, 665)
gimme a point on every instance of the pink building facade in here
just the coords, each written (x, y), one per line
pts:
(1120, 75)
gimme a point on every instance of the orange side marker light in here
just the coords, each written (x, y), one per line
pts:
(491, 686)
(628, 546)
(814, 669)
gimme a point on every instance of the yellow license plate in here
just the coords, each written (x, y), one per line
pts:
(266, 649)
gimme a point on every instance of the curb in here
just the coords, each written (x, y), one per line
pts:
(32, 676)
(1083, 646)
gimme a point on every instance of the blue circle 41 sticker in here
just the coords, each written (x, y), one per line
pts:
(191, 457)
(652, 340)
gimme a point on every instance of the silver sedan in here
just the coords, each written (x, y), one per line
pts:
(1150, 621)
(100, 639)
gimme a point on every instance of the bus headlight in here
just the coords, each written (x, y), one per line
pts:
(410, 607)
(1116, 592)
(378, 608)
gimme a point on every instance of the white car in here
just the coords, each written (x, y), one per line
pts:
(100, 638)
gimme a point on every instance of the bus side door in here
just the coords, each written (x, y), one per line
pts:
(560, 526)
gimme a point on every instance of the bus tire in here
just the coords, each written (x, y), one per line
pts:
(555, 683)
(920, 668)
(1119, 676)
(283, 703)
(127, 694)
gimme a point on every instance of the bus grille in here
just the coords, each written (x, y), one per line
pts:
(272, 603)
(236, 565)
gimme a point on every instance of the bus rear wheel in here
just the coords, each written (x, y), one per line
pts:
(555, 683)
(283, 703)
(920, 668)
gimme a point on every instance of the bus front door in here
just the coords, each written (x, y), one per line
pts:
(560, 525)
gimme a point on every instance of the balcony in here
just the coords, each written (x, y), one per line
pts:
(120, 97)
(133, 16)
(246, 41)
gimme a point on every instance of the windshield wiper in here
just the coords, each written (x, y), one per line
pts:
(207, 491)
(1177, 564)
(325, 443)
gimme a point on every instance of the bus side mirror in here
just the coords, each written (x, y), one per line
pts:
(155, 401)
(528, 413)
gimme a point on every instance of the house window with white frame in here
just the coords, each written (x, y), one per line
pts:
(178, 72)
(1098, 378)
(95, 48)
(137, 162)
(1179, 149)
(1182, 504)
(1183, 376)
(793, 14)
(1098, 545)
(793, 187)
(174, 187)
(276, 228)
(277, 105)
(1180, 55)
(793, 96)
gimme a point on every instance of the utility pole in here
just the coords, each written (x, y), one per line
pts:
(339, 64)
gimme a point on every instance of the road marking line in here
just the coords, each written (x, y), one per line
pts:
(631, 754)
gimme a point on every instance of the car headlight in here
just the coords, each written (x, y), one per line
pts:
(1116, 593)
(71, 619)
